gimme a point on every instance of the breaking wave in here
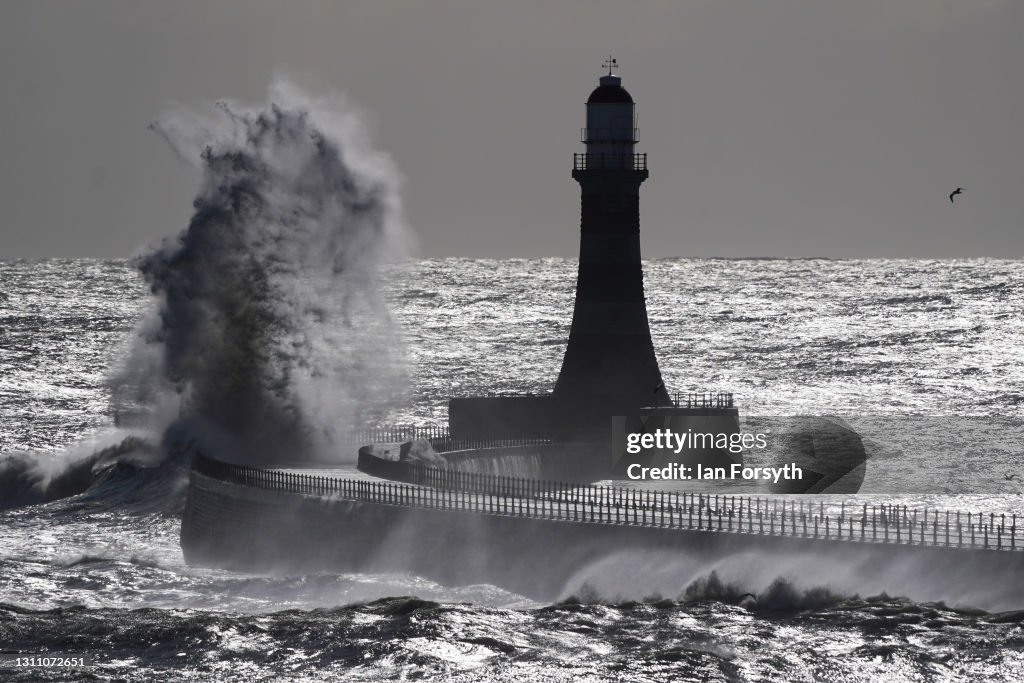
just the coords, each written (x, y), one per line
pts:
(793, 581)
(270, 329)
(32, 478)
(268, 336)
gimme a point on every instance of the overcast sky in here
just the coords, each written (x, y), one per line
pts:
(773, 128)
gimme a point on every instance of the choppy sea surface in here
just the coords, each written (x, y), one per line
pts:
(101, 572)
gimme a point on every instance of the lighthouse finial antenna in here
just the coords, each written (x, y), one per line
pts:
(609, 63)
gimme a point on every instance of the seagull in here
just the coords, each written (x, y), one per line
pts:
(954, 193)
(661, 385)
(1009, 477)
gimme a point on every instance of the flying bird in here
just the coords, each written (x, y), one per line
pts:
(1009, 477)
(954, 193)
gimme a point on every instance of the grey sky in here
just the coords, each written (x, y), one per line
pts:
(782, 128)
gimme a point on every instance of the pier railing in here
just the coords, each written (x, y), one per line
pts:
(702, 400)
(537, 499)
(442, 441)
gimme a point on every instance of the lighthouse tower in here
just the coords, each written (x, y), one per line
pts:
(609, 365)
(609, 370)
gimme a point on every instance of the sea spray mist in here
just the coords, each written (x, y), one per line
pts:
(269, 337)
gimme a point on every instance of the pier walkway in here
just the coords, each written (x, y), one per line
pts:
(447, 489)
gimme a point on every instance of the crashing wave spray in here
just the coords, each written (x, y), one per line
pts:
(780, 579)
(270, 334)
(269, 337)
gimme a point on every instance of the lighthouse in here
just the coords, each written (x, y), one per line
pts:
(609, 369)
(609, 363)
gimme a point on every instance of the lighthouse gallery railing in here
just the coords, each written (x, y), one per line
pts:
(610, 161)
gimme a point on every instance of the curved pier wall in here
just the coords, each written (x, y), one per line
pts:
(573, 462)
(590, 459)
(249, 529)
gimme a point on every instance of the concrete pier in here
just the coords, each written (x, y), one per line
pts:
(531, 536)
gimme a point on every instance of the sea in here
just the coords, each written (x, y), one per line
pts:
(91, 566)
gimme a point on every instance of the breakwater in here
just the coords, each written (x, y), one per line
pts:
(535, 536)
(482, 493)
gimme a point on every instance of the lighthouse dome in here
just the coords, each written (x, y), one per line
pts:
(610, 92)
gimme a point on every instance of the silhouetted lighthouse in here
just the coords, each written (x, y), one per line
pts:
(610, 361)
(609, 371)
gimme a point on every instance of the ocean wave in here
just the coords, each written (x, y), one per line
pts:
(996, 287)
(406, 637)
(781, 595)
(943, 299)
(268, 324)
(33, 478)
